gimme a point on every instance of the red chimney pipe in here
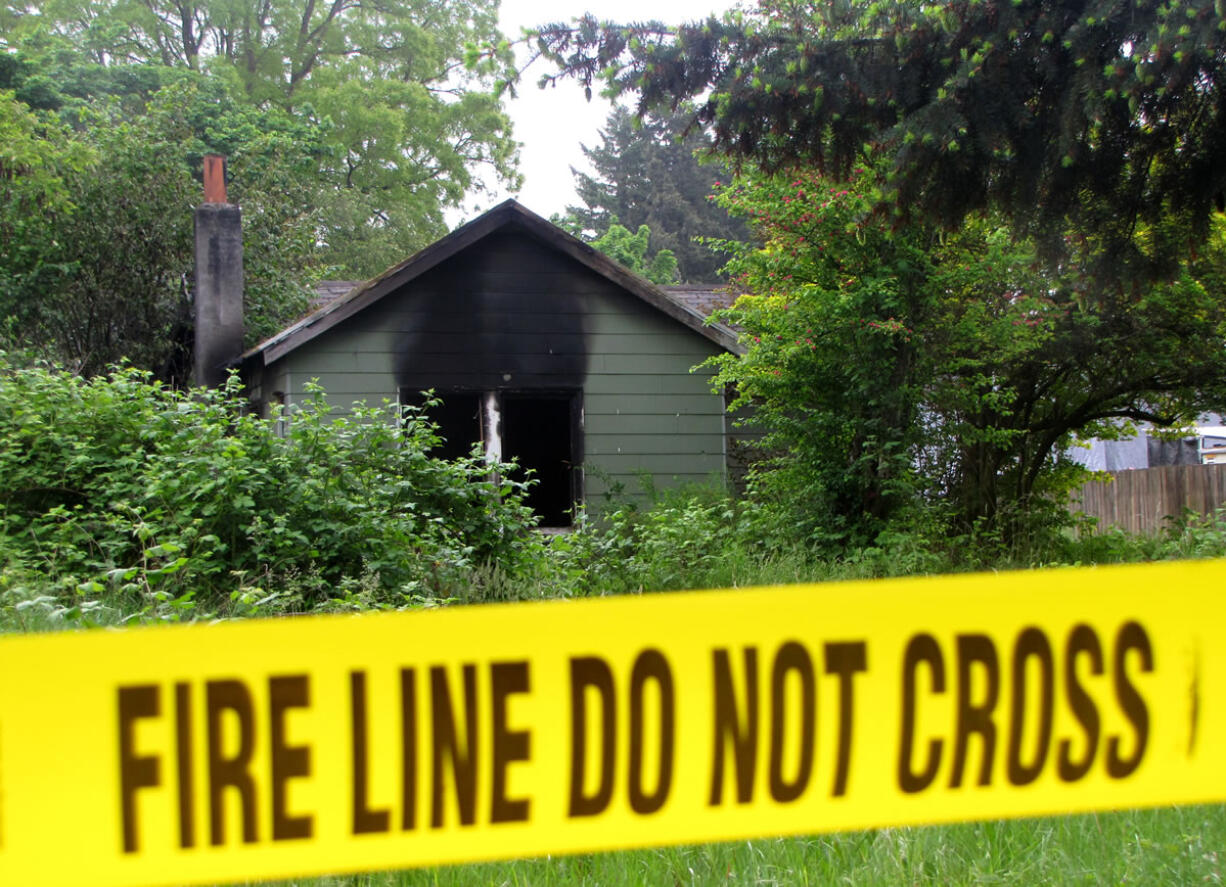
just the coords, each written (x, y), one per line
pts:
(214, 178)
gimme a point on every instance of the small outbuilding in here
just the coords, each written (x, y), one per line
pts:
(540, 347)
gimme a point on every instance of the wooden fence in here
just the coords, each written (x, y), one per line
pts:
(1141, 501)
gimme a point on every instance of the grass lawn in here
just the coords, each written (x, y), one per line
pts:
(1172, 846)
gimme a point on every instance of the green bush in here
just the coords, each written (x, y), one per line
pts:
(685, 538)
(118, 492)
(1189, 535)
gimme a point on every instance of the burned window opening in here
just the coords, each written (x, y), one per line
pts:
(541, 431)
(458, 417)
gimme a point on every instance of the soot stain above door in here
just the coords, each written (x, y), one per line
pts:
(501, 315)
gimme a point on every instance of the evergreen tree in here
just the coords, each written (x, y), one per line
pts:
(649, 173)
(1098, 119)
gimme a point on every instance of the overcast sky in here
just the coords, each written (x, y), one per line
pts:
(552, 123)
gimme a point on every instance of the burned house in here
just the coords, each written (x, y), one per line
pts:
(540, 348)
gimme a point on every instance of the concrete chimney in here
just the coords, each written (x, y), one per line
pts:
(219, 278)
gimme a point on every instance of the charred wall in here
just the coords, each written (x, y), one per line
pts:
(503, 315)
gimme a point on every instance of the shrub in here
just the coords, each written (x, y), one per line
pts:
(683, 538)
(120, 490)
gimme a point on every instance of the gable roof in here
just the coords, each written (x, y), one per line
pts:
(508, 214)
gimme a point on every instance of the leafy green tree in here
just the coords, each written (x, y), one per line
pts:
(51, 73)
(128, 296)
(411, 128)
(1092, 118)
(101, 274)
(38, 159)
(105, 276)
(899, 367)
(630, 249)
(649, 173)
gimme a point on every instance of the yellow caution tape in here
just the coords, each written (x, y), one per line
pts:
(279, 748)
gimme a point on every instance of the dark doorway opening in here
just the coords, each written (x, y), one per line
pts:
(458, 417)
(540, 431)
